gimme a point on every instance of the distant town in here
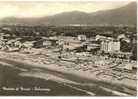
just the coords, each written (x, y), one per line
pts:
(118, 42)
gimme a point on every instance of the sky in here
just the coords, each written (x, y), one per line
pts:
(46, 8)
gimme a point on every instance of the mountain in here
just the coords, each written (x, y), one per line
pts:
(126, 15)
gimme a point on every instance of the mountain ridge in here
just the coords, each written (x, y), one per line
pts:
(125, 15)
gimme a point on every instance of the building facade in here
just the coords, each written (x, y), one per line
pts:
(110, 45)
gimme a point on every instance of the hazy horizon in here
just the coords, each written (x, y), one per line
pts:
(35, 9)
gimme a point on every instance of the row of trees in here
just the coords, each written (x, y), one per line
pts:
(89, 31)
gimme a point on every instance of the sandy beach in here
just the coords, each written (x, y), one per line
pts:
(47, 61)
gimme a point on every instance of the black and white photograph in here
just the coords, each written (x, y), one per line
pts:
(68, 48)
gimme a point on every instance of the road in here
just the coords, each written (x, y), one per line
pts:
(23, 79)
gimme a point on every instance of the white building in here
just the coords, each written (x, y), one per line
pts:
(82, 37)
(110, 46)
(71, 45)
